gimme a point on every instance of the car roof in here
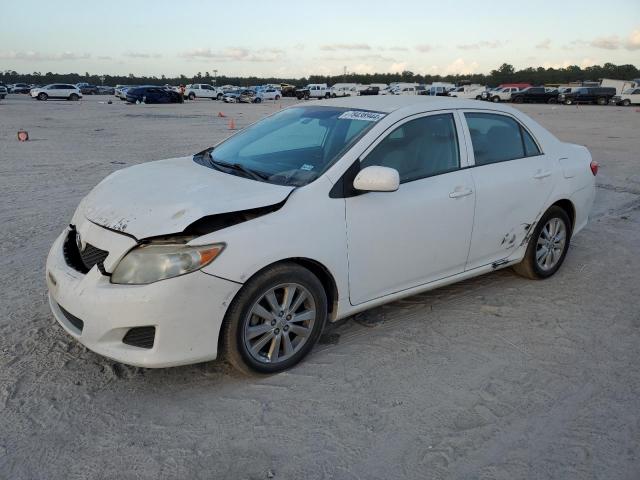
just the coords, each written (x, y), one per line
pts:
(393, 103)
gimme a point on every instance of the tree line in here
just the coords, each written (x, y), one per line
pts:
(506, 73)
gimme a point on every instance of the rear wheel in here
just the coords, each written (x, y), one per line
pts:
(306, 96)
(547, 246)
(327, 96)
(552, 101)
(495, 99)
(277, 97)
(258, 100)
(601, 101)
(73, 97)
(518, 100)
(219, 97)
(568, 101)
(275, 320)
(42, 96)
(192, 96)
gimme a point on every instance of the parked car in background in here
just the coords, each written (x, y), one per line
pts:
(500, 94)
(87, 89)
(105, 90)
(631, 96)
(597, 95)
(3, 91)
(120, 91)
(535, 95)
(19, 88)
(486, 184)
(288, 90)
(202, 90)
(468, 92)
(239, 96)
(57, 91)
(267, 93)
(370, 90)
(313, 90)
(152, 94)
(405, 89)
(344, 90)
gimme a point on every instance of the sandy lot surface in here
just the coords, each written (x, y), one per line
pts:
(494, 378)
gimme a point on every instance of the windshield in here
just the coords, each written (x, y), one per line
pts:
(294, 146)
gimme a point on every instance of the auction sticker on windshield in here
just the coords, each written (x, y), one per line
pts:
(361, 115)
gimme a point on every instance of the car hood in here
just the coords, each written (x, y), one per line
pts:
(164, 197)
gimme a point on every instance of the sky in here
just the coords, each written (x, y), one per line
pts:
(296, 38)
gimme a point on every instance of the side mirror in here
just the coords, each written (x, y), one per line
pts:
(377, 179)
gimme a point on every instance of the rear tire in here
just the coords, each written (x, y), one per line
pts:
(258, 100)
(219, 97)
(552, 101)
(518, 100)
(327, 96)
(601, 101)
(568, 101)
(192, 96)
(277, 97)
(495, 99)
(551, 235)
(241, 349)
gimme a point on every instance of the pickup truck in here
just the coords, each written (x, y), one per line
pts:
(535, 95)
(202, 90)
(313, 90)
(496, 95)
(598, 95)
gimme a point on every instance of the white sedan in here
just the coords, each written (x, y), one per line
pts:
(61, 91)
(311, 215)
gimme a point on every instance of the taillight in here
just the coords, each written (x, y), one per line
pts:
(594, 167)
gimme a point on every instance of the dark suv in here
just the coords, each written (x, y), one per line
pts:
(598, 95)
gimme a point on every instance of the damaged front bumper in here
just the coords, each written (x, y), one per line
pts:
(185, 312)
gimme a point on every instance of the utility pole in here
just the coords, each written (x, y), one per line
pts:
(344, 75)
(215, 77)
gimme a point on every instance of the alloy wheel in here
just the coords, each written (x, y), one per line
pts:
(279, 323)
(551, 243)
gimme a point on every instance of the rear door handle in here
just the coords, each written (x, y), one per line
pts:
(541, 174)
(460, 193)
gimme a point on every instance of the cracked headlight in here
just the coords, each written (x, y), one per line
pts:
(153, 262)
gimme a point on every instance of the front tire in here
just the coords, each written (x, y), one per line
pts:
(518, 100)
(552, 101)
(495, 99)
(74, 97)
(626, 102)
(42, 96)
(192, 96)
(547, 246)
(275, 320)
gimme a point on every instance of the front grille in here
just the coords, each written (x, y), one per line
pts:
(73, 320)
(84, 260)
(142, 337)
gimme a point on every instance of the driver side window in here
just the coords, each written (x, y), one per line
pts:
(420, 148)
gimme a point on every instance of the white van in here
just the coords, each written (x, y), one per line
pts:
(344, 90)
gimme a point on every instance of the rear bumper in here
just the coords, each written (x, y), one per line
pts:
(186, 311)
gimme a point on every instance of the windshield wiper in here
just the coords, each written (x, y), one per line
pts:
(255, 175)
(259, 176)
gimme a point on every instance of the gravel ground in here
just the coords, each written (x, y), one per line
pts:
(493, 378)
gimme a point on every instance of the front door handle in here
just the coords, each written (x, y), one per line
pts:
(542, 174)
(460, 193)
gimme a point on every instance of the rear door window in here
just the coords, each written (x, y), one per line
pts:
(498, 138)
